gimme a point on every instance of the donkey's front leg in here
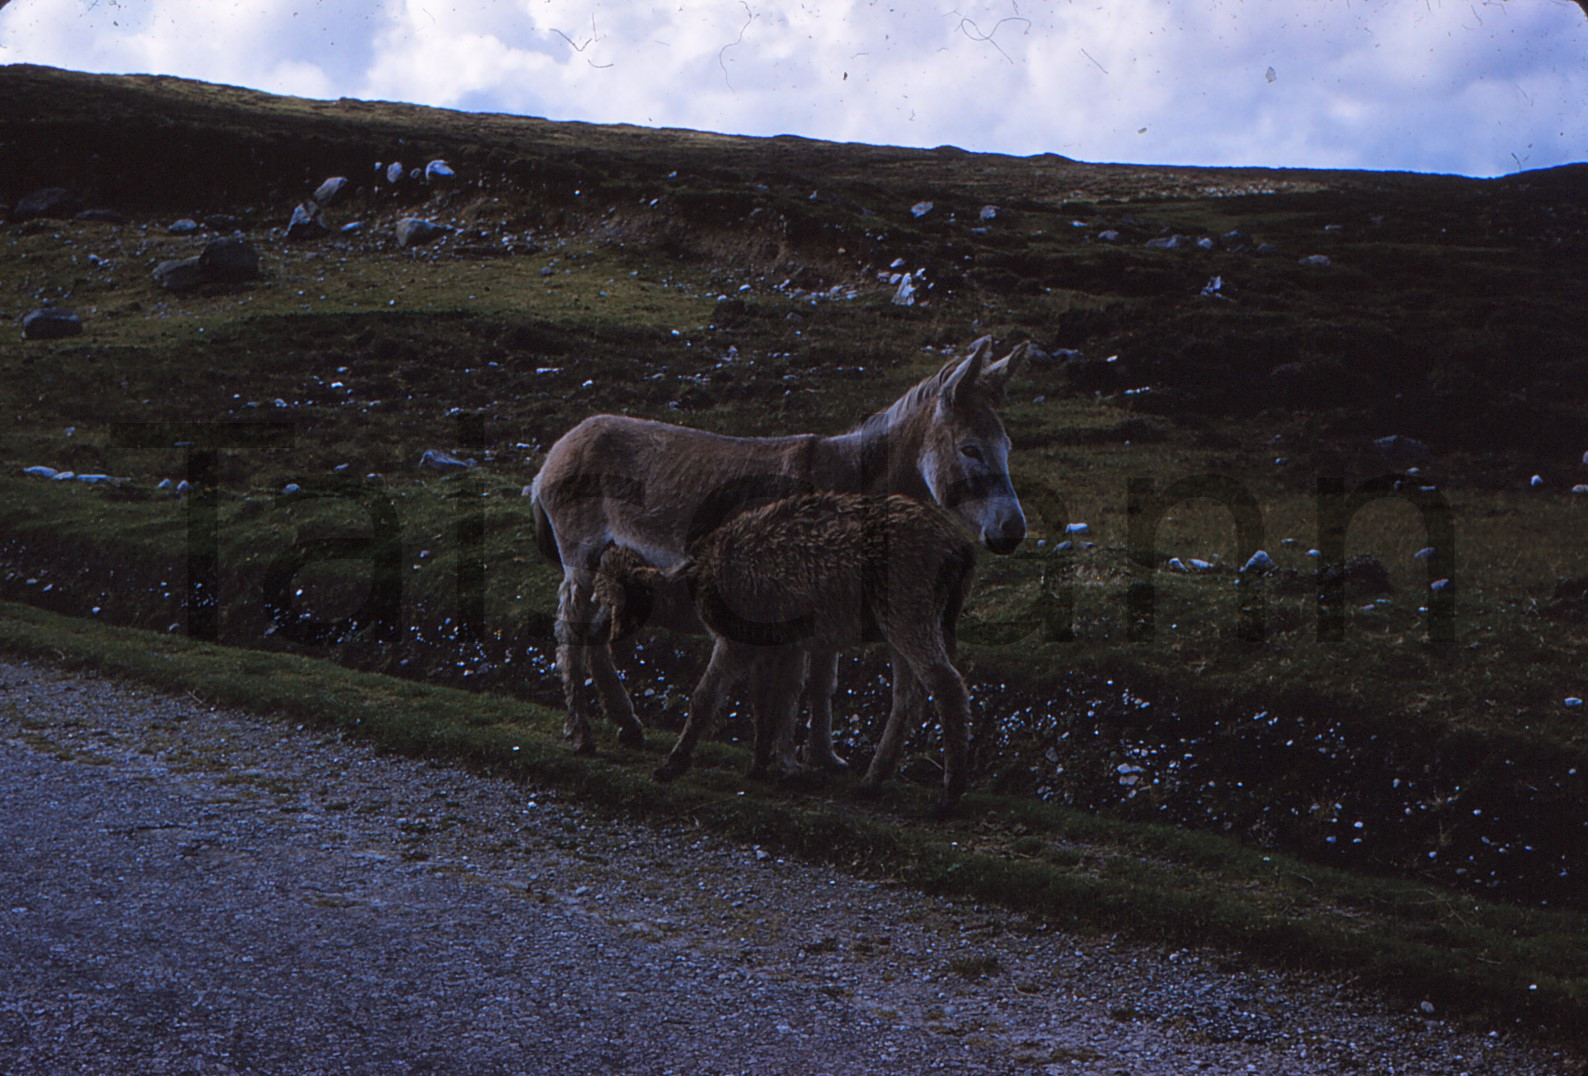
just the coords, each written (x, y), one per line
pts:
(821, 680)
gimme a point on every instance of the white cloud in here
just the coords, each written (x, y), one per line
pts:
(1438, 85)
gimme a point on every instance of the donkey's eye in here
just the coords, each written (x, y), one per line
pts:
(972, 452)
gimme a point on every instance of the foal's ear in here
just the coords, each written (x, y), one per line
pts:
(997, 375)
(966, 373)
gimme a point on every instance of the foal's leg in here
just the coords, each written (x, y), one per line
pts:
(776, 698)
(821, 680)
(727, 666)
(907, 700)
(953, 710)
(929, 663)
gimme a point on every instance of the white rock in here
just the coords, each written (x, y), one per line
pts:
(1077, 528)
(1571, 702)
(1260, 562)
(1536, 482)
(40, 472)
(920, 209)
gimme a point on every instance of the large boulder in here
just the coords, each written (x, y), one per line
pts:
(181, 274)
(48, 202)
(416, 231)
(230, 260)
(308, 221)
(330, 190)
(51, 323)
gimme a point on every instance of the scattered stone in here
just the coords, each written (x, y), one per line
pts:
(1316, 261)
(1259, 563)
(51, 323)
(1403, 451)
(920, 209)
(394, 173)
(1266, 249)
(435, 459)
(98, 479)
(181, 274)
(64, 476)
(290, 488)
(1536, 482)
(904, 295)
(439, 173)
(1177, 565)
(58, 202)
(1214, 289)
(1165, 242)
(1199, 565)
(1439, 586)
(164, 486)
(1427, 552)
(230, 260)
(1571, 702)
(1585, 459)
(308, 221)
(352, 227)
(1579, 488)
(101, 216)
(328, 192)
(1206, 243)
(1077, 528)
(40, 472)
(988, 213)
(185, 226)
(1108, 235)
(1234, 240)
(416, 231)
(184, 487)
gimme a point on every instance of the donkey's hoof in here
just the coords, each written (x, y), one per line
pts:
(670, 770)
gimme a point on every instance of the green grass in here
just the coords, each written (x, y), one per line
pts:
(1072, 869)
(614, 269)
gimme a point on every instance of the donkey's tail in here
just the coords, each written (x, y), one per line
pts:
(959, 573)
(545, 537)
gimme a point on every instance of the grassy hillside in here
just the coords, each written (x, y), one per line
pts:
(736, 284)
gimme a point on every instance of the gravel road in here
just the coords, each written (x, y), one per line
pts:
(185, 889)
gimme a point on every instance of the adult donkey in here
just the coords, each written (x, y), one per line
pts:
(655, 488)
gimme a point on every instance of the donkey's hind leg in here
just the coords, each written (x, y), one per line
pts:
(585, 660)
(573, 629)
(821, 680)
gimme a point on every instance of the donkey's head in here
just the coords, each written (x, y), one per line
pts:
(626, 586)
(964, 454)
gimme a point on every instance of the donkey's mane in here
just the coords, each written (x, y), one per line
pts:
(922, 392)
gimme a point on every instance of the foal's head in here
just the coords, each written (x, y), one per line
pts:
(964, 454)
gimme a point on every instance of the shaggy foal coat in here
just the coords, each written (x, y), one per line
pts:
(816, 572)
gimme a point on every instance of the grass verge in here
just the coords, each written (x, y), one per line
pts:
(1524, 968)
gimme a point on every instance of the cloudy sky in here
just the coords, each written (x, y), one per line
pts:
(1482, 87)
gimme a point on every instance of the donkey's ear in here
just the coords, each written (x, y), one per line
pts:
(965, 374)
(997, 374)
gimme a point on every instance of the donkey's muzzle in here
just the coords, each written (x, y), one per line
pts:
(1006, 538)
